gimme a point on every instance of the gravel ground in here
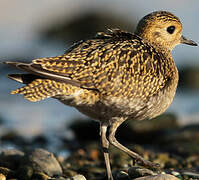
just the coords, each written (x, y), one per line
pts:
(161, 140)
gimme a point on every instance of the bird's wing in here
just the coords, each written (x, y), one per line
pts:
(93, 62)
(104, 63)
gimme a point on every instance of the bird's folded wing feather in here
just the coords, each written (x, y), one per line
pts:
(96, 63)
(104, 63)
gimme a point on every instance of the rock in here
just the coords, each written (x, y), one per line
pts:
(2, 177)
(190, 175)
(5, 171)
(42, 161)
(175, 173)
(158, 177)
(68, 172)
(77, 177)
(120, 175)
(10, 158)
(15, 139)
(135, 172)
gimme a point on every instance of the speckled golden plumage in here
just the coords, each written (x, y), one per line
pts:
(113, 77)
(117, 63)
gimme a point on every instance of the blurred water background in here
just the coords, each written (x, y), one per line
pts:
(33, 29)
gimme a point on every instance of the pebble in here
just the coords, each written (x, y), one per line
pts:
(180, 159)
(158, 177)
(175, 173)
(121, 175)
(7, 172)
(77, 177)
(191, 174)
(10, 158)
(2, 177)
(41, 160)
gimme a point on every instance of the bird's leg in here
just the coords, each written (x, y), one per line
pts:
(134, 155)
(105, 146)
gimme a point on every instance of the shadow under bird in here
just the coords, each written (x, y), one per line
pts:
(113, 77)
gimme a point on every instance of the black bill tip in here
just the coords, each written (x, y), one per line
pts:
(188, 41)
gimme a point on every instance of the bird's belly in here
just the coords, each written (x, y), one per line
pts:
(159, 103)
(138, 109)
(125, 107)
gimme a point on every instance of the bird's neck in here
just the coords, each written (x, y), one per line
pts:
(158, 44)
(159, 47)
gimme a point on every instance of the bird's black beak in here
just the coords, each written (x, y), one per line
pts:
(184, 40)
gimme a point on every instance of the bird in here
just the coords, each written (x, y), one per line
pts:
(113, 77)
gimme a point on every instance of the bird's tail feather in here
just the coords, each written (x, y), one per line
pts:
(40, 89)
(37, 70)
(24, 78)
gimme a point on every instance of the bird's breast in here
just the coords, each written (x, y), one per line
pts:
(140, 103)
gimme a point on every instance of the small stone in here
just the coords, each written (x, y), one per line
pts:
(121, 175)
(2, 177)
(190, 174)
(42, 161)
(175, 173)
(158, 177)
(77, 177)
(94, 154)
(69, 172)
(13, 152)
(6, 171)
(10, 158)
(135, 172)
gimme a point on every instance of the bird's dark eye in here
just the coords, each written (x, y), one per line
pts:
(171, 29)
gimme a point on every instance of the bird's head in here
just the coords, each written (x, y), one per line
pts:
(162, 29)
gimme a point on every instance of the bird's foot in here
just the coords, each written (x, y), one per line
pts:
(148, 164)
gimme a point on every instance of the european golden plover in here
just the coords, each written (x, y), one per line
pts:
(114, 77)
